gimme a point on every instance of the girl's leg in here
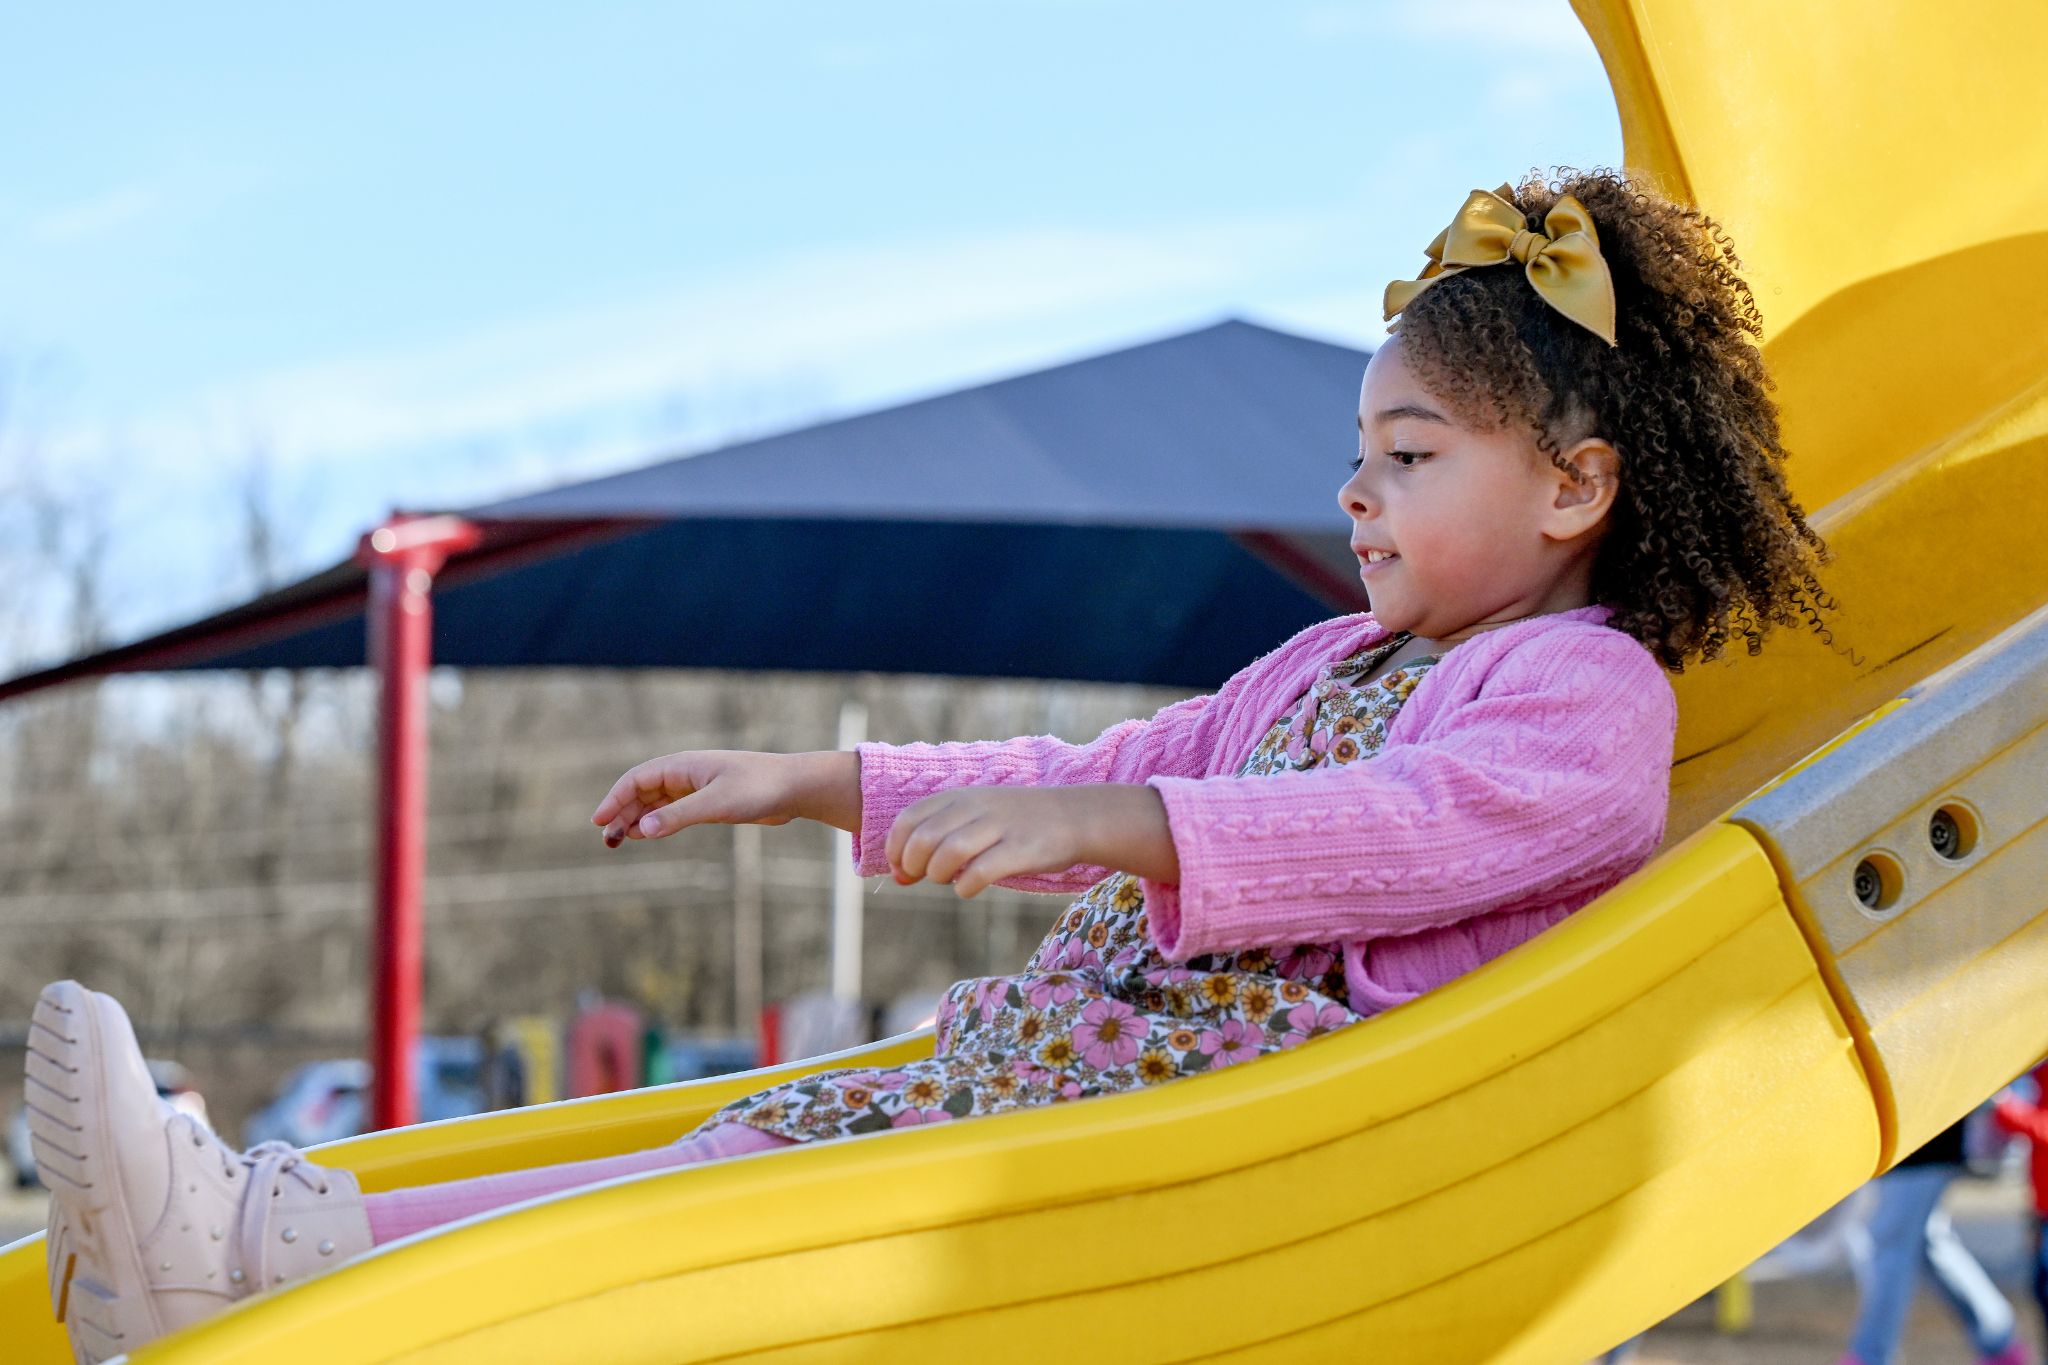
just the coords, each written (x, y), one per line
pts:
(155, 1223)
(1905, 1199)
(400, 1213)
(1966, 1289)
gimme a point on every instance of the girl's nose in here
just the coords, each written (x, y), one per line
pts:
(1353, 498)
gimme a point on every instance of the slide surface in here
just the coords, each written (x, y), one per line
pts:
(1576, 1140)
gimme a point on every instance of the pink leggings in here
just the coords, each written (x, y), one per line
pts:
(400, 1213)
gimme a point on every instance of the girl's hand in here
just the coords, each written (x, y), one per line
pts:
(730, 787)
(973, 837)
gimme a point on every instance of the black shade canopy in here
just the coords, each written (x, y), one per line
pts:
(1160, 514)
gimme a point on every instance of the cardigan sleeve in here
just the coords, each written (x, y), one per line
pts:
(1554, 776)
(1177, 741)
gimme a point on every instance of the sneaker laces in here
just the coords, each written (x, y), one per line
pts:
(268, 1165)
(269, 1162)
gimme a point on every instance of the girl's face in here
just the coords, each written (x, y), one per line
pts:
(1479, 528)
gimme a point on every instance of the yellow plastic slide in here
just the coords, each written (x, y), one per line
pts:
(1554, 1152)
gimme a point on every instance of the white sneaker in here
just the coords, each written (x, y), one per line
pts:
(155, 1223)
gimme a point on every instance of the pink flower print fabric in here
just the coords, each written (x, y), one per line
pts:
(1097, 1010)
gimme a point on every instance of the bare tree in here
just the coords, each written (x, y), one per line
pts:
(278, 700)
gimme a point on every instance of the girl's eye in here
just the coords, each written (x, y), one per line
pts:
(1407, 459)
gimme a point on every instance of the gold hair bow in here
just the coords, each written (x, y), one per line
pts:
(1563, 261)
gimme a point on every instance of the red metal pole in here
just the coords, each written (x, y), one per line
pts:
(403, 556)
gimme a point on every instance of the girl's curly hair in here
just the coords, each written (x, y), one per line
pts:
(1704, 541)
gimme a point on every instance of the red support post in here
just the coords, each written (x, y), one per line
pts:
(403, 555)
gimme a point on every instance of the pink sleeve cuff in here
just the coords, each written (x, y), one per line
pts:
(1162, 918)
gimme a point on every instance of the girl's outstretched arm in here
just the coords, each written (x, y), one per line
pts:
(1188, 739)
(866, 791)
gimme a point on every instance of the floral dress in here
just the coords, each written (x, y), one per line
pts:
(1097, 1009)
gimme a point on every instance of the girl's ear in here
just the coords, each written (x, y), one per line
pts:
(1579, 505)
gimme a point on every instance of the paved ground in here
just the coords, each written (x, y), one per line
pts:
(1806, 1321)
(1797, 1322)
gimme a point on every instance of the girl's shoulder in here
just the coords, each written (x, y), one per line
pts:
(1577, 642)
(1567, 653)
(1580, 630)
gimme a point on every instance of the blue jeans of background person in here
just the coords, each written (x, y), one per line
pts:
(2041, 1269)
(1909, 1234)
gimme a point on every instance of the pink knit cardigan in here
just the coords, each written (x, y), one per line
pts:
(1528, 772)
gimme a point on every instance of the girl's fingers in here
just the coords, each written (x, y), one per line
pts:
(923, 840)
(660, 822)
(623, 793)
(907, 822)
(648, 780)
(700, 807)
(639, 790)
(900, 831)
(960, 847)
(625, 821)
(654, 825)
(609, 807)
(984, 870)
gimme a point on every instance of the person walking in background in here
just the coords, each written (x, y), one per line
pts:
(1909, 1233)
(2025, 1115)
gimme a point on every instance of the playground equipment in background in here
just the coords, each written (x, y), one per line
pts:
(522, 1062)
(607, 1046)
(607, 1049)
(1839, 954)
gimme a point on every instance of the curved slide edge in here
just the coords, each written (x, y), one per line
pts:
(1528, 1165)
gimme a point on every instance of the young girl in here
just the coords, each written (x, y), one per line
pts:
(1568, 474)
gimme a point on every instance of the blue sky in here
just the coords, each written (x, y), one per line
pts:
(429, 255)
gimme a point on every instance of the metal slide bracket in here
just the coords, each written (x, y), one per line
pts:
(1915, 855)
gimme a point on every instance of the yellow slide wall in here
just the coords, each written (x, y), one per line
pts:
(1485, 1174)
